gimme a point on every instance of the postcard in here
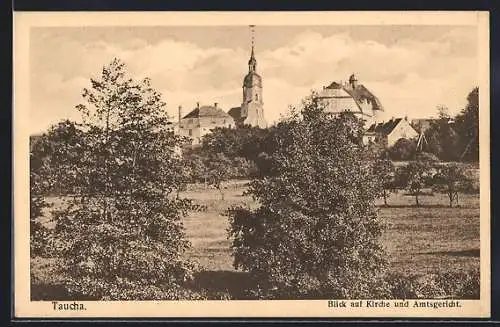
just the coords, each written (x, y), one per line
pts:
(251, 164)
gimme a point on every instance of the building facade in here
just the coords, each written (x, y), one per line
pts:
(351, 97)
(388, 133)
(202, 120)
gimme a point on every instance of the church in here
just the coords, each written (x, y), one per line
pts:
(202, 119)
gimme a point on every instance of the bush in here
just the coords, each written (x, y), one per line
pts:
(453, 284)
(316, 232)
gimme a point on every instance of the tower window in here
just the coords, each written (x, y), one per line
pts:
(257, 97)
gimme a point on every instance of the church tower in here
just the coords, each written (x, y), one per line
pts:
(252, 106)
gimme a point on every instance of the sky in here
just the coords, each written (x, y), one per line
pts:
(411, 69)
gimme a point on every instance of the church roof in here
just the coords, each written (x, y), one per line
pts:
(384, 127)
(207, 111)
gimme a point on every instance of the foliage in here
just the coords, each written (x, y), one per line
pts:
(467, 127)
(415, 176)
(316, 232)
(403, 150)
(451, 179)
(385, 172)
(427, 157)
(452, 284)
(50, 155)
(245, 142)
(121, 236)
(442, 140)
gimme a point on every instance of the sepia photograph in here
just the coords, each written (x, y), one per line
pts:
(225, 164)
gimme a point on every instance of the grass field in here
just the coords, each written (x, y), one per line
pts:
(418, 240)
(424, 239)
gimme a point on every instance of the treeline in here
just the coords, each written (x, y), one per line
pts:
(426, 173)
(449, 138)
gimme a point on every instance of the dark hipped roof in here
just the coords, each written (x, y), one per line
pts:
(207, 111)
(361, 93)
(235, 113)
(384, 128)
(334, 86)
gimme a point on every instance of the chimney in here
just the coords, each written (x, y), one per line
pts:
(180, 114)
(215, 104)
(353, 81)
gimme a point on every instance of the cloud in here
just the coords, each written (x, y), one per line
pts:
(409, 76)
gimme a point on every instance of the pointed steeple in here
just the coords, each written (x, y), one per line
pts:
(252, 63)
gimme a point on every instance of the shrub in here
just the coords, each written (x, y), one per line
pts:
(316, 232)
(453, 284)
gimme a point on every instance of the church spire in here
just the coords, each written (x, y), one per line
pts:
(252, 63)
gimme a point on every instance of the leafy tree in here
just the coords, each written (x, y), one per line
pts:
(385, 172)
(442, 139)
(219, 169)
(316, 232)
(51, 156)
(451, 179)
(416, 176)
(467, 126)
(245, 142)
(403, 150)
(121, 236)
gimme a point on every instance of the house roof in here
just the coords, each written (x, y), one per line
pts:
(384, 127)
(235, 112)
(359, 93)
(207, 111)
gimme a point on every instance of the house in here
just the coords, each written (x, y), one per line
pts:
(351, 97)
(388, 133)
(201, 120)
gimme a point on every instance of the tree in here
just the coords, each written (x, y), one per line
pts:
(122, 236)
(451, 179)
(316, 231)
(403, 149)
(385, 172)
(442, 139)
(51, 154)
(467, 126)
(218, 169)
(415, 176)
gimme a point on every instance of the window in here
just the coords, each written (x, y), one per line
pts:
(256, 97)
(190, 132)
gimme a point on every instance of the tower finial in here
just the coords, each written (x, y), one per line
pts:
(252, 29)
(252, 63)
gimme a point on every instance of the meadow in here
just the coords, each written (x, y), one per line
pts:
(418, 240)
(421, 240)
